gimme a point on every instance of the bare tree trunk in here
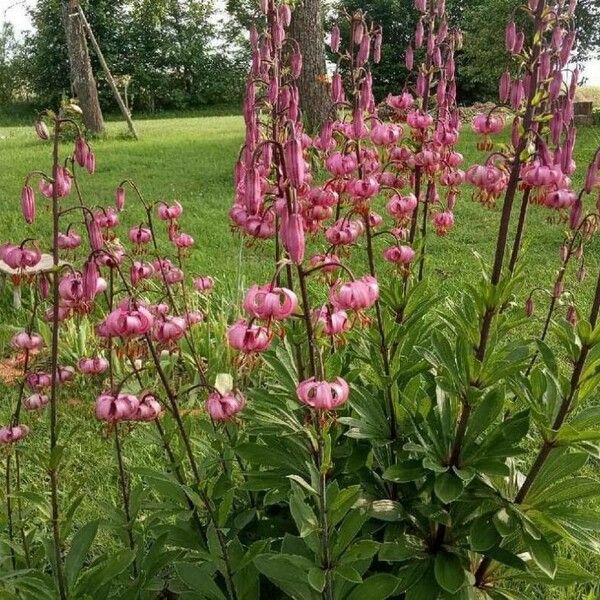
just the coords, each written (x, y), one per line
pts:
(82, 77)
(307, 29)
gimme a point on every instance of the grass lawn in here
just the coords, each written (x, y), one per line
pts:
(191, 160)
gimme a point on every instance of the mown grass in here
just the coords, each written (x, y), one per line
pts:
(191, 159)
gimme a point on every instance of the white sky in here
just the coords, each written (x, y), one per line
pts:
(15, 12)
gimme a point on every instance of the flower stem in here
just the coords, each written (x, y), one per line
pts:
(9, 514)
(124, 484)
(514, 257)
(320, 454)
(53, 473)
(424, 231)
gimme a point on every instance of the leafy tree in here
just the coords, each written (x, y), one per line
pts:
(10, 80)
(483, 57)
(166, 47)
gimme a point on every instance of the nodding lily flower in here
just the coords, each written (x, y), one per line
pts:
(193, 317)
(107, 218)
(120, 198)
(248, 338)
(409, 58)
(505, 87)
(452, 177)
(139, 271)
(261, 226)
(11, 435)
(204, 284)
(114, 257)
(539, 175)
(323, 395)
(385, 135)
(487, 124)
(223, 407)
(69, 240)
(169, 329)
(159, 310)
(90, 163)
(490, 181)
(419, 120)
(62, 184)
(168, 212)
(92, 366)
(95, 235)
(559, 199)
(355, 295)
(64, 374)
(129, 320)
(140, 235)
(344, 232)
(454, 159)
(375, 219)
(337, 87)
(399, 255)
(268, 302)
(402, 102)
(331, 321)
(27, 341)
(294, 162)
(28, 204)
(71, 290)
(183, 240)
(402, 208)
(93, 284)
(35, 401)
(41, 130)
(149, 408)
(20, 257)
(340, 165)
(82, 151)
(334, 42)
(38, 380)
(323, 197)
(116, 408)
(529, 306)
(443, 222)
(292, 236)
(362, 189)
(172, 276)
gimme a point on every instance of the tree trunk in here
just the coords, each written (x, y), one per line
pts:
(307, 29)
(82, 77)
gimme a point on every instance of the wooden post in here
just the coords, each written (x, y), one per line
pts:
(108, 74)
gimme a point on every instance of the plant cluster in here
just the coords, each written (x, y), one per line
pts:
(363, 433)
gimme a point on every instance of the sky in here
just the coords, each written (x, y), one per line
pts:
(15, 12)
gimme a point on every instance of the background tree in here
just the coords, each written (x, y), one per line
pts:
(307, 29)
(483, 23)
(11, 81)
(82, 77)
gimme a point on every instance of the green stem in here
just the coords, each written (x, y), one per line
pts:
(53, 474)
(124, 484)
